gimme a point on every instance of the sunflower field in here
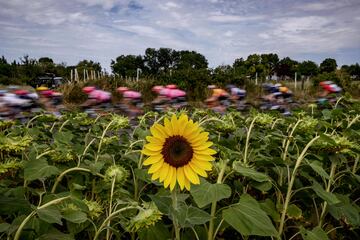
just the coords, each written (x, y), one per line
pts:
(182, 175)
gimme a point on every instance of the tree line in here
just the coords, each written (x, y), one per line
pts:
(188, 69)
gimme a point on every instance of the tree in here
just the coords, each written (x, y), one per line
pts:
(191, 59)
(167, 58)
(328, 65)
(127, 65)
(151, 61)
(308, 68)
(286, 67)
(45, 60)
(270, 62)
(354, 71)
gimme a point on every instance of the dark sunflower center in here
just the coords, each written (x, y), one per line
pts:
(177, 151)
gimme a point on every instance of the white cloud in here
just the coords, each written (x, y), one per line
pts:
(221, 30)
(224, 18)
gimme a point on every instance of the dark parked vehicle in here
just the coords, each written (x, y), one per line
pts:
(49, 80)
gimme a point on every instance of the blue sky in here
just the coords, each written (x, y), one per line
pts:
(222, 30)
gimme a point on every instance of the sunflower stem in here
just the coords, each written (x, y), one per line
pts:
(175, 223)
(223, 165)
(247, 140)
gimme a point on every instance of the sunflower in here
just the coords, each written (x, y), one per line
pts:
(178, 152)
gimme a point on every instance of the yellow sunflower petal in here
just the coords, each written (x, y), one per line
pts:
(203, 157)
(155, 167)
(174, 124)
(191, 175)
(180, 175)
(199, 137)
(183, 121)
(203, 146)
(168, 127)
(199, 143)
(155, 176)
(148, 152)
(197, 169)
(190, 129)
(155, 140)
(207, 151)
(207, 166)
(168, 178)
(173, 179)
(187, 184)
(152, 159)
(157, 132)
(153, 147)
(164, 171)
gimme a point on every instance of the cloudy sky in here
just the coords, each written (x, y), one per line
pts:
(222, 30)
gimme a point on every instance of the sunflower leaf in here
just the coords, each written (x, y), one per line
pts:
(36, 169)
(249, 172)
(248, 218)
(316, 234)
(205, 193)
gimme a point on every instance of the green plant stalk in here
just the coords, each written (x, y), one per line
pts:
(355, 165)
(97, 233)
(213, 204)
(98, 154)
(60, 177)
(290, 185)
(33, 213)
(287, 144)
(110, 206)
(102, 138)
(247, 140)
(331, 180)
(62, 125)
(353, 121)
(175, 222)
(337, 102)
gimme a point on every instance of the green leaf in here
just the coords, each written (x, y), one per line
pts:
(4, 227)
(49, 214)
(156, 232)
(294, 211)
(38, 168)
(317, 167)
(55, 234)
(249, 172)
(262, 186)
(269, 207)
(316, 234)
(205, 193)
(345, 211)
(63, 137)
(74, 216)
(248, 218)
(163, 203)
(189, 216)
(326, 196)
(11, 205)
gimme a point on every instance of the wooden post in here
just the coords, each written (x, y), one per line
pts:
(256, 78)
(76, 75)
(295, 79)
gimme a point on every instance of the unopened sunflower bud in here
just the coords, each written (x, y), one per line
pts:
(145, 218)
(118, 172)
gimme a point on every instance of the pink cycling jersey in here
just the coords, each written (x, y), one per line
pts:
(100, 95)
(131, 94)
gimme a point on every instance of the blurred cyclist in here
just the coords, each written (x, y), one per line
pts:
(131, 102)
